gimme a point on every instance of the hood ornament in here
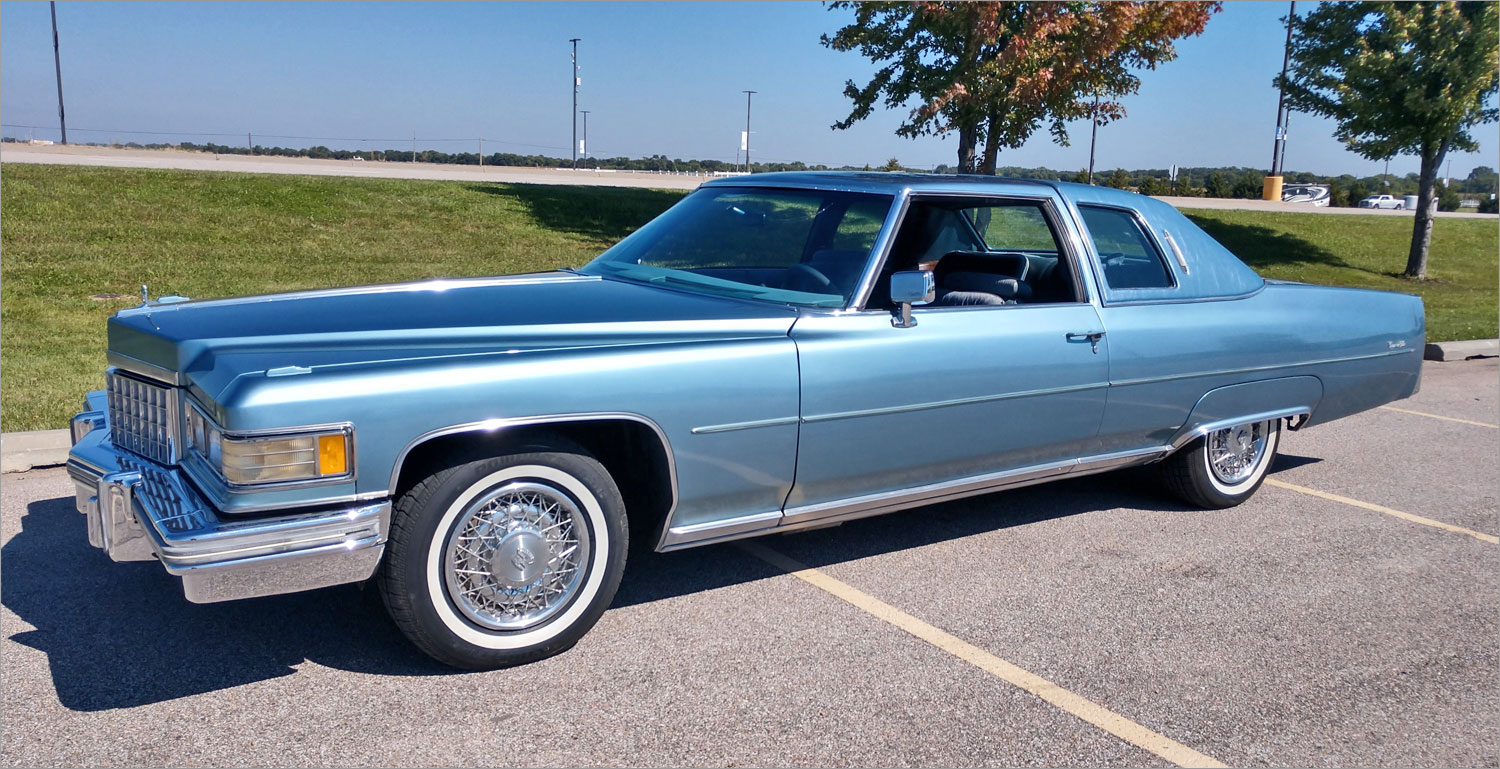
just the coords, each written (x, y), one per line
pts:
(145, 300)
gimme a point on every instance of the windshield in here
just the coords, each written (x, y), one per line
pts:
(802, 247)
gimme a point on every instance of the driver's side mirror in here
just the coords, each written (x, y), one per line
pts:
(907, 289)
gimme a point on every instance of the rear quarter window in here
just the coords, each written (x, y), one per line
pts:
(1129, 257)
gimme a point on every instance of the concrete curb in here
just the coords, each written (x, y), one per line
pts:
(1470, 348)
(20, 452)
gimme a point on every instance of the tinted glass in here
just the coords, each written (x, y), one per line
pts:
(805, 247)
(1129, 257)
(1014, 227)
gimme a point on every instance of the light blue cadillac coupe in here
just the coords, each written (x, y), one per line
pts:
(775, 352)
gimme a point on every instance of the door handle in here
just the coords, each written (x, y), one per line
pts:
(1093, 338)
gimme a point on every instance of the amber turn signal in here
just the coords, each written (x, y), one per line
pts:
(333, 454)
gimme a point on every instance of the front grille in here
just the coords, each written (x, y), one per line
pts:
(143, 417)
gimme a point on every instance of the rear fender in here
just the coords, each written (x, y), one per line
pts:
(1250, 402)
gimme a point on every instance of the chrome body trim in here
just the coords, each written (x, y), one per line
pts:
(142, 368)
(1251, 369)
(679, 537)
(145, 416)
(830, 513)
(139, 510)
(732, 426)
(948, 403)
(1302, 413)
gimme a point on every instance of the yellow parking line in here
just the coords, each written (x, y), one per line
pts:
(1061, 698)
(1445, 419)
(1479, 535)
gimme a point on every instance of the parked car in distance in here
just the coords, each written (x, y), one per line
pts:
(1316, 194)
(1383, 201)
(769, 355)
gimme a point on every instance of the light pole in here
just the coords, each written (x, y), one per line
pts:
(1093, 137)
(1272, 188)
(62, 118)
(585, 145)
(574, 41)
(748, 94)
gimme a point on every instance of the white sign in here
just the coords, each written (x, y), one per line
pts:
(744, 141)
(580, 146)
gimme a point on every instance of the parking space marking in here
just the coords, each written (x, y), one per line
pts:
(1445, 419)
(1479, 535)
(1070, 703)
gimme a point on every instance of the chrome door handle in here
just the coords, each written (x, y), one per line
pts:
(1093, 338)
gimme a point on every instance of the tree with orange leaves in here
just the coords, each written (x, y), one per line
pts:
(994, 72)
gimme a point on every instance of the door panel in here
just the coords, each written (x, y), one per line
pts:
(967, 391)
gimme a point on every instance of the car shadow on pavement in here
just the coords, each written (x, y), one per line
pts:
(119, 635)
(123, 635)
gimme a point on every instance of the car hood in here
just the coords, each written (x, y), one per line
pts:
(210, 343)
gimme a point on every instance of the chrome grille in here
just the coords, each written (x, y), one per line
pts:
(143, 417)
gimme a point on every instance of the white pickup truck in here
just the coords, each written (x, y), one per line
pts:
(1383, 201)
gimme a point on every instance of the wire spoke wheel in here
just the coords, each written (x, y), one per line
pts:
(516, 556)
(1234, 453)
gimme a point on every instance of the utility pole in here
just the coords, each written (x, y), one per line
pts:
(584, 147)
(62, 117)
(1093, 137)
(574, 41)
(250, 143)
(748, 94)
(481, 152)
(413, 146)
(1272, 188)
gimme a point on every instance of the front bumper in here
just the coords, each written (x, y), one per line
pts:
(138, 511)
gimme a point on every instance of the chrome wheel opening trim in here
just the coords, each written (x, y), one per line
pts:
(594, 567)
(515, 556)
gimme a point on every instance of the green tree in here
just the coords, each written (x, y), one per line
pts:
(1219, 186)
(1399, 78)
(995, 72)
(891, 165)
(1447, 197)
(1153, 186)
(1357, 192)
(1118, 179)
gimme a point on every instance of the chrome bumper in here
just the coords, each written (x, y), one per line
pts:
(139, 511)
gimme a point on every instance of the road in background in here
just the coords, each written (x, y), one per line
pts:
(266, 164)
(1293, 630)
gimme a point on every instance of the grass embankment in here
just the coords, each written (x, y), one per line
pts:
(69, 234)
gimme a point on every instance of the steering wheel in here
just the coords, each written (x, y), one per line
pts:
(804, 277)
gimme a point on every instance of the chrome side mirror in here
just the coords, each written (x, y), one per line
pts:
(907, 289)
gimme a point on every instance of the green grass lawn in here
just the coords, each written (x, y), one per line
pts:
(1461, 294)
(71, 234)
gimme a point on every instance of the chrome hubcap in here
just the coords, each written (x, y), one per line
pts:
(516, 556)
(1234, 453)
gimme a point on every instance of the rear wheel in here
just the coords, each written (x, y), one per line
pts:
(506, 560)
(1225, 467)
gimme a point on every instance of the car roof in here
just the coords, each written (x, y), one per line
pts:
(889, 183)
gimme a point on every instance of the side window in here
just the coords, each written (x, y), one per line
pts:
(1013, 228)
(1129, 257)
(982, 252)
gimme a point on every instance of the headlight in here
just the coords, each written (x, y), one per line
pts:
(293, 456)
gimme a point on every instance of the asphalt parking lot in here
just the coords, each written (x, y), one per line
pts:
(1347, 615)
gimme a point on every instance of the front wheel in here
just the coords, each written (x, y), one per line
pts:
(1225, 467)
(506, 560)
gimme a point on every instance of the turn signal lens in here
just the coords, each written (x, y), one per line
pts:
(333, 454)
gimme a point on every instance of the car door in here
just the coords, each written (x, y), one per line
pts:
(969, 397)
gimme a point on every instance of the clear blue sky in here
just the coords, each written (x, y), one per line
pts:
(657, 77)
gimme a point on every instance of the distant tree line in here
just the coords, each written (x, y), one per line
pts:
(1345, 190)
